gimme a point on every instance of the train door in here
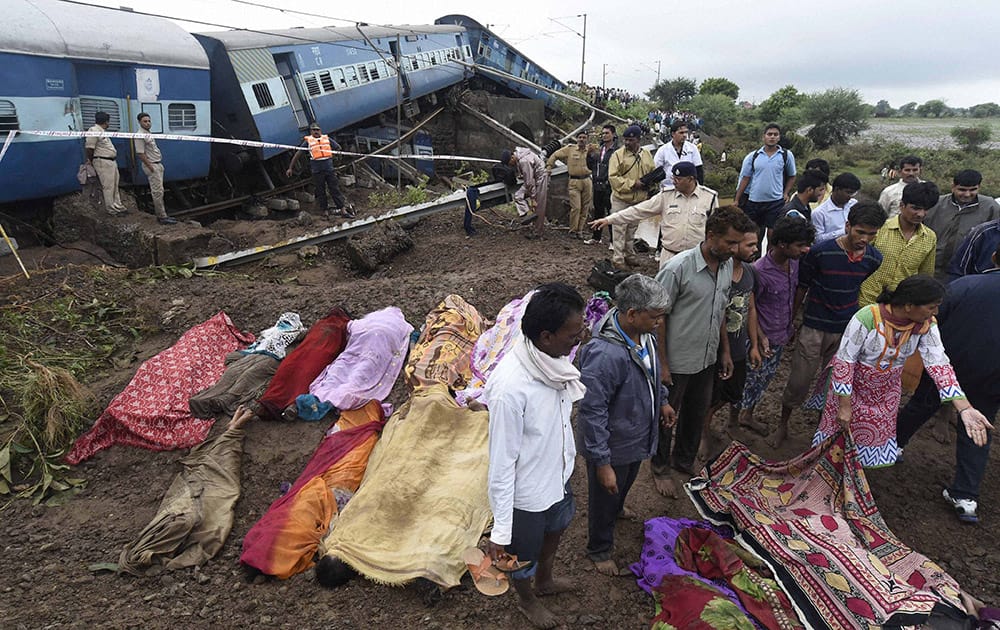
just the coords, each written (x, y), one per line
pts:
(297, 100)
(102, 88)
(404, 80)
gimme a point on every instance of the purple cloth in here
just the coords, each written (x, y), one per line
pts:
(597, 307)
(369, 365)
(774, 297)
(492, 346)
(657, 560)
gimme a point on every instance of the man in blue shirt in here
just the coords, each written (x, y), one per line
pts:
(975, 253)
(972, 347)
(767, 177)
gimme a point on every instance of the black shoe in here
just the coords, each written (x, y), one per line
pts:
(349, 211)
(167, 220)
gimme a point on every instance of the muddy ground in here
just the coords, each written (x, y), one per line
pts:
(46, 551)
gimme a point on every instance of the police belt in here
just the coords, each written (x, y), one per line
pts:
(579, 176)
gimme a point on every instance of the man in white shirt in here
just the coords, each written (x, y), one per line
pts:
(530, 396)
(830, 217)
(679, 149)
(909, 172)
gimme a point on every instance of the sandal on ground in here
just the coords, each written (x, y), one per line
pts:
(489, 580)
(509, 563)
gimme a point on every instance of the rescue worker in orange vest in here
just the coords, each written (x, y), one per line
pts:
(321, 148)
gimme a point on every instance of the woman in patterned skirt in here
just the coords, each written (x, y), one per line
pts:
(867, 369)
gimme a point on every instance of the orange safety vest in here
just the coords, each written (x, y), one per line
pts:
(319, 148)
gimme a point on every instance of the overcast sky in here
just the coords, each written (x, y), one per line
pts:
(900, 51)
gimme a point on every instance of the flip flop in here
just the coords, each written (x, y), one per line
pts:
(489, 580)
(509, 563)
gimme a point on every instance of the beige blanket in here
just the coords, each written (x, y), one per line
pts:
(423, 499)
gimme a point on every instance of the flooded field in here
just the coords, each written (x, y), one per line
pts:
(932, 133)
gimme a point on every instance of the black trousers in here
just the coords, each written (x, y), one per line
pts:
(325, 177)
(690, 396)
(603, 509)
(602, 205)
(970, 460)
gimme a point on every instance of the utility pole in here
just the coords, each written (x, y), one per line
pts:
(657, 72)
(604, 77)
(583, 58)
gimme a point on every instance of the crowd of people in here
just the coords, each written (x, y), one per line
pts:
(601, 96)
(881, 287)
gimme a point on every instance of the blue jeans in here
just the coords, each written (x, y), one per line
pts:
(970, 460)
(528, 531)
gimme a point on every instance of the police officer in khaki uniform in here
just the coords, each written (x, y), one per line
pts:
(581, 187)
(152, 165)
(321, 148)
(682, 208)
(103, 156)
(625, 171)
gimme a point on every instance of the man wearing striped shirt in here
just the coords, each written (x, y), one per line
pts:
(830, 278)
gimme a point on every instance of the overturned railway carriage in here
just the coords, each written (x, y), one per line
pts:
(271, 86)
(491, 51)
(62, 63)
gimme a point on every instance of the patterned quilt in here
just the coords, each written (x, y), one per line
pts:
(814, 521)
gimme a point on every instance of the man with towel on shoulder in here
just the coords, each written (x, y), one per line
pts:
(530, 396)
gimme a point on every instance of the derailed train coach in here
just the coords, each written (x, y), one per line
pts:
(62, 63)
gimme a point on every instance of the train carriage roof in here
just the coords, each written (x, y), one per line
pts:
(240, 40)
(57, 29)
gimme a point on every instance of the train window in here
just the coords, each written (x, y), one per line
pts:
(434, 58)
(352, 75)
(373, 70)
(363, 72)
(8, 116)
(326, 80)
(262, 93)
(182, 117)
(414, 62)
(488, 53)
(382, 70)
(468, 51)
(312, 84)
(338, 78)
(90, 106)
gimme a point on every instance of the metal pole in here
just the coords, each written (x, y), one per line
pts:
(657, 72)
(399, 110)
(583, 57)
(604, 77)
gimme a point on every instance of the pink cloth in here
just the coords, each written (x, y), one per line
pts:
(152, 411)
(369, 365)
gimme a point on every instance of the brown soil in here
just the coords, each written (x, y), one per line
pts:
(44, 575)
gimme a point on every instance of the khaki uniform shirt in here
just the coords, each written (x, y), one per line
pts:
(574, 159)
(100, 144)
(148, 146)
(682, 217)
(624, 170)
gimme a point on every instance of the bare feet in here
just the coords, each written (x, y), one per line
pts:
(666, 486)
(628, 514)
(243, 415)
(776, 439)
(748, 422)
(554, 587)
(610, 568)
(537, 614)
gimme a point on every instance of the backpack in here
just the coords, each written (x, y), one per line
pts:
(784, 167)
(604, 276)
(504, 173)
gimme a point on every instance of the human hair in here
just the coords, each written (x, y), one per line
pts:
(332, 572)
(611, 128)
(788, 230)
(639, 292)
(820, 165)
(867, 213)
(811, 178)
(847, 181)
(549, 308)
(967, 177)
(921, 194)
(141, 115)
(918, 290)
(771, 126)
(101, 117)
(726, 217)
(911, 160)
(677, 124)
(581, 133)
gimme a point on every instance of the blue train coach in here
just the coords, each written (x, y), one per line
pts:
(62, 63)
(493, 52)
(271, 86)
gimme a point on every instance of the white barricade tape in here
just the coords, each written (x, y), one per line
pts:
(241, 143)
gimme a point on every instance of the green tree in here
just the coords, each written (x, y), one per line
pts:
(836, 116)
(935, 107)
(883, 109)
(984, 110)
(715, 110)
(972, 138)
(908, 110)
(719, 85)
(672, 93)
(772, 107)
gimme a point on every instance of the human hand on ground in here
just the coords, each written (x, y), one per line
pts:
(607, 478)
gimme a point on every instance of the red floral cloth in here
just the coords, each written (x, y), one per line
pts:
(152, 411)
